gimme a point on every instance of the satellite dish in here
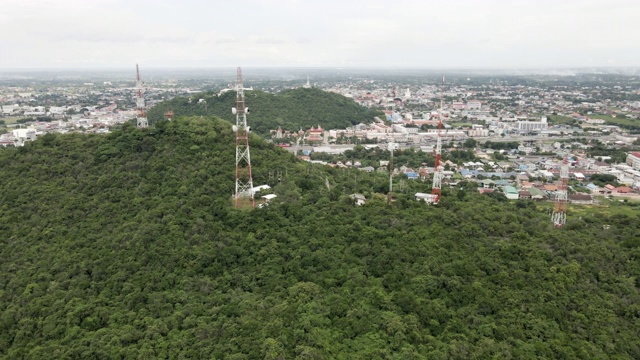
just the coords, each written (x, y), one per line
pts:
(234, 128)
(248, 128)
(246, 110)
(233, 110)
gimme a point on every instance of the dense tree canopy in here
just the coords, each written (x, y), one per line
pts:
(603, 179)
(617, 154)
(126, 246)
(501, 145)
(290, 109)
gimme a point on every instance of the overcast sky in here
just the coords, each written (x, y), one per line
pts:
(319, 33)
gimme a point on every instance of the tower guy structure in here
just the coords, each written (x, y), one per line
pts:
(142, 121)
(244, 180)
(438, 168)
(559, 216)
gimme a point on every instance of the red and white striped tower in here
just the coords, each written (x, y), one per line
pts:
(244, 180)
(438, 168)
(142, 121)
(559, 216)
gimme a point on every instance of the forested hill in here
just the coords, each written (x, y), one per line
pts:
(290, 109)
(126, 246)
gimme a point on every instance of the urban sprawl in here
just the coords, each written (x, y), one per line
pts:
(548, 119)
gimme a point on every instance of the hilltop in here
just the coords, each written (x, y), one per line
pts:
(126, 246)
(290, 109)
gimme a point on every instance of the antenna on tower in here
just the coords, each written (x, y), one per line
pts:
(441, 95)
(244, 180)
(436, 189)
(141, 121)
(559, 216)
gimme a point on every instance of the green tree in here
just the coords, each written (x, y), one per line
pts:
(470, 143)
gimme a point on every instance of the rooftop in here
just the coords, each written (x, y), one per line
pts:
(510, 190)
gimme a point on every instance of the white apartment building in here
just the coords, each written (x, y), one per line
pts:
(478, 132)
(404, 130)
(526, 126)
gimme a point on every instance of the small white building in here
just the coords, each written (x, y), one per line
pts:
(546, 174)
(267, 199)
(260, 188)
(9, 109)
(22, 135)
(428, 198)
(359, 199)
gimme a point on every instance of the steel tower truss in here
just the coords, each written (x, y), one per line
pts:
(559, 216)
(244, 181)
(142, 121)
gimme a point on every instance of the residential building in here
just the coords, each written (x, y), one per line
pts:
(510, 192)
(524, 194)
(633, 160)
(536, 194)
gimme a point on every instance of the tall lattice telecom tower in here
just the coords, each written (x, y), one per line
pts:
(438, 167)
(142, 121)
(244, 180)
(559, 216)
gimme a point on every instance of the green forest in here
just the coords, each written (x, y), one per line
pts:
(290, 109)
(127, 246)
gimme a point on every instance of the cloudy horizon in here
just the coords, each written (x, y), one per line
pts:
(460, 34)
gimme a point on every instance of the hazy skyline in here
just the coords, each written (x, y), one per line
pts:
(295, 33)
